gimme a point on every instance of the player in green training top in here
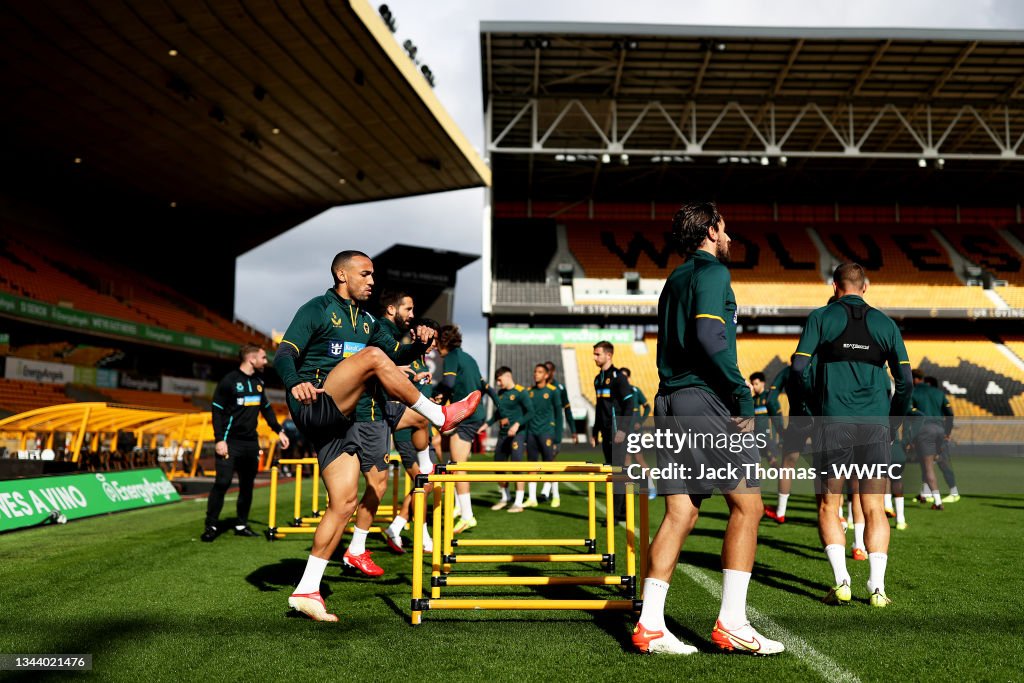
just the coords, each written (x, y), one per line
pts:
(931, 433)
(540, 438)
(512, 412)
(853, 344)
(461, 377)
(703, 392)
(330, 354)
(563, 420)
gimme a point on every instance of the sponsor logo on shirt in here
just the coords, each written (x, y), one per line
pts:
(252, 400)
(336, 348)
(239, 387)
(352, 348)
(856, 347)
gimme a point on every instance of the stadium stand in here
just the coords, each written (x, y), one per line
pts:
(777, 263)
(150, 399)
(65, 352)
(986, 248)
(54, 273)
(17, 396)
(972, 369)
(522, 358)
(523, 249)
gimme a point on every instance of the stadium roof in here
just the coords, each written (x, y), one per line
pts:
(269, 112)
(904, 114)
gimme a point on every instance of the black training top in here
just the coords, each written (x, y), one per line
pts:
(237, 403)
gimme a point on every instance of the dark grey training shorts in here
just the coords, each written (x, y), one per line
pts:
(708, 466)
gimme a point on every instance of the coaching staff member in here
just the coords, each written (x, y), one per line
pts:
(237, 402)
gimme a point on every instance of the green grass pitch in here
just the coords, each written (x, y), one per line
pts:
(150, 602)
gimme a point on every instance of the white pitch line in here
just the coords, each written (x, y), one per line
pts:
(824, 666)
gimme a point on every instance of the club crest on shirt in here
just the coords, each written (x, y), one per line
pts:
(259, 388)
(335, 320)
(336, 348)
(512, 397)
(545, 394)
(366, 328)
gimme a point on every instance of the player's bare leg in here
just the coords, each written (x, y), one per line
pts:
(347, 382)
(341, 479)
(871, 493)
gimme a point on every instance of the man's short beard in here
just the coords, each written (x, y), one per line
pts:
(722, 251)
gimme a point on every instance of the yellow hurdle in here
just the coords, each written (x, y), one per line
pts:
(307, 525)
(444, 556)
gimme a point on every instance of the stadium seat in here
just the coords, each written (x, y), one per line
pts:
(17, 396)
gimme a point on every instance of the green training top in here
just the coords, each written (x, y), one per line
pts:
(515, 405)
(700, 289)
(463, 368)
(545, 407)
(641, 407)
(325, 331)
(933, 404)
(852, 388)
(563, 401)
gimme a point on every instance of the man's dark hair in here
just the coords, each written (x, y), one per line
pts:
(503, 370)
(756, 376)
(917, 373)
(391, 298)
(849, 277)
(245, 349)
(626, 371)
(450, 337)
(541, 365)
(606, 346)
(550, 366)
(932, 381)
(691, 223)
(341, 260)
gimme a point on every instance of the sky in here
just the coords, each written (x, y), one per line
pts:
(274, 279)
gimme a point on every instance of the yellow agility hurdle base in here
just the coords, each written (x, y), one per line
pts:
(300, 524)
(444, 556)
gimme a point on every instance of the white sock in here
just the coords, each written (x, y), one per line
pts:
(519, 497)
(430, 410)
(546, 491)
(504, 493)
(780, 509)
(427, 539)
(310, 581)
(954, 491)
(925, 489)
(900, 517)
(554, 489)
(397, 525)
(652, 615)
(532, 486)
(423, 457)
(466, 505)
(358, 544)
(239, 527)
(837, 558)
(733, 612)
(858, 536)
(877, 562)
(937, 497)
(849, 513)
(887, 501)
